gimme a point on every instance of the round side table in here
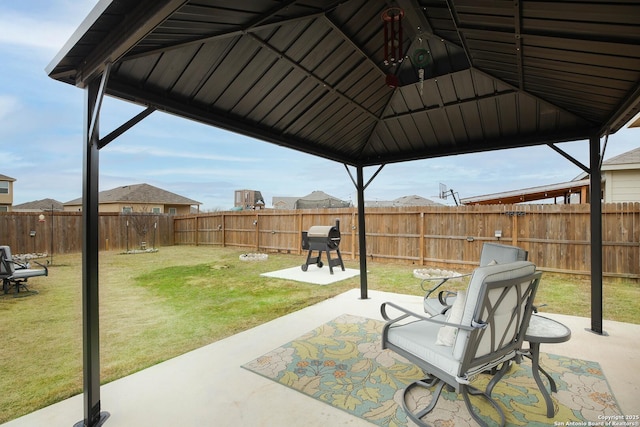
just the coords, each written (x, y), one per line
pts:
(543, 330)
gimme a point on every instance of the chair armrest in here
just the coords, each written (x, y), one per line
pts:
(17, 264)
(409, 313)
(443, 295)
(46, 270)
(536, 307)
(442, 280)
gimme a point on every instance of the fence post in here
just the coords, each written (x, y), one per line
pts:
(224, 233)
(298, 239)
(198, 228)
(422, 237)
(514, 230)
(353, 234)
(257, 224)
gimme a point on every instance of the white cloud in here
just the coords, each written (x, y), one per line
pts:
(8, 104)
(19, 30)
(130, 149)
(42, 25)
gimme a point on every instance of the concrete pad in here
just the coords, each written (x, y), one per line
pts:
(314, 275)
(208, 387)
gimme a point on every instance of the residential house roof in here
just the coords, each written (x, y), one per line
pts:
(139, 193)
(315, 199)
(626, 160)
(413, 200)
(6, 178)
(320, 199)
(284, 202)
(529, 194)
(623, 161)
(39, 205)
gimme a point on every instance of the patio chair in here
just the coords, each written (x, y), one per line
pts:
(14, 273)
(492, 253)
(484, 329)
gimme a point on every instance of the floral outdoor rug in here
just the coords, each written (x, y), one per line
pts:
(342, 364)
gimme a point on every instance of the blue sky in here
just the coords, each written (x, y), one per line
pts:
(41, 140)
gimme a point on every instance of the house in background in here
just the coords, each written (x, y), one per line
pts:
(44, 205)
(404, 201)
(576, 191)
(248, 200)
(314, 200)
(620, 177)
(6, 193)
(284, 202)
(139, 198)
(319, 199)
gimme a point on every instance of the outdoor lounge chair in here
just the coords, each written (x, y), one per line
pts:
(492, 253)
(14, 273)
(484, 329)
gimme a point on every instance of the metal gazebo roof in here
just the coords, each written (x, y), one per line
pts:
(310, 75)
(316, 76)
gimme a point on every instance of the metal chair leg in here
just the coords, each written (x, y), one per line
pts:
(497, 377)
(466, 390)
(426, 383)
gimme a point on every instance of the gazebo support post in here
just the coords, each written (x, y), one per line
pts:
(362, 235)
(93, 416)
(595, 197)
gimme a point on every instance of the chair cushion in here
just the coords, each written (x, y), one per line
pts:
(418, 338)
(501, 254)
(481, 274)
(447, 334)
(23, 273)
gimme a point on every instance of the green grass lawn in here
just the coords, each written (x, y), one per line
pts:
(156, 306)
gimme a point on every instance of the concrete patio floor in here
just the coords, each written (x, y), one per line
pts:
(208, 387)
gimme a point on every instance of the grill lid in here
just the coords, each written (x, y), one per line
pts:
(323, 231)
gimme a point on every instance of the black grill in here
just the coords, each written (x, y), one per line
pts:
(322, 238)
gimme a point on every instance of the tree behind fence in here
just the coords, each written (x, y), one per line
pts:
(556, 236)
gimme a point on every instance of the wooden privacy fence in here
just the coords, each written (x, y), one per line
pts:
(61, 232)
(556, 236)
